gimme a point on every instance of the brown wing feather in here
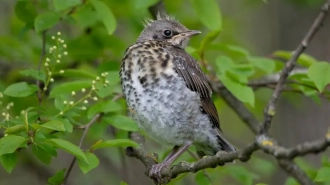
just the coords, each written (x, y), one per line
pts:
(187, 67)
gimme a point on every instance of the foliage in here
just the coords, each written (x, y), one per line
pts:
(43, 107)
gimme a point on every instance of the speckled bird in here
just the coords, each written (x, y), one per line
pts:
(167, 93)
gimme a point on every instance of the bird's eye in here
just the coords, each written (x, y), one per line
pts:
(167, 33)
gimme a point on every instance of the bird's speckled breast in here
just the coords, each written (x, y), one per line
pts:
(158, 98)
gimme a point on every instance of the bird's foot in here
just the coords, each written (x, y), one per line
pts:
(155, 173)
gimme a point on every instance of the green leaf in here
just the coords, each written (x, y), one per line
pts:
(16, 129)
(78, 73)
(40, 75)
(209, 13)
(93, 162)
(241, 174)
(21, 89)
(122, 122)
(41, 154)
(319, 73)
(240, 91)
(323, 175)
(9, 144)
(59, 102)
(123, 183)
(265, 64)
(54, 125)
(291, 181)
(106, 15)
(115, 143)
(224, 63)
(68, 87)
(8, 161)
(26, 11)
(68, 147)
(65, 4)
(304, 59)
(208, 39)
(57, 179)
(103, 107)
(143, 4)
(45, 21)
(201, 178)
(67, 125)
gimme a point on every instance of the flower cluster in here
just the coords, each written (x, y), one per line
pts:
(57, 51)
(86, 95)
(5, 114)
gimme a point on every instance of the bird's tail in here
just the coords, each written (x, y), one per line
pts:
(223, 145)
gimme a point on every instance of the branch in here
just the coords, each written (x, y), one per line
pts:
(42, 56)
(270, 108)
(269, 146)
(291, 168)
(86, 128)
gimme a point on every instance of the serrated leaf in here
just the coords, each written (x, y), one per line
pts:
(21, 89)
(65, 4)
(115, 143)
(240, 91)
(9, 144)
(265, 64)
(40, 75)
(106, 15)
(68, 147)
(319, 73)
(209, 13)
(93, 162)
(121, 122)
(45, 21)
(57, 178)
(68, 87)
(8, 161)
(41, 154)
(54, 125)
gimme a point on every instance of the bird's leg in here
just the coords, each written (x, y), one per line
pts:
(156, 169)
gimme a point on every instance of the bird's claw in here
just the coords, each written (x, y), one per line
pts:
(155, 173)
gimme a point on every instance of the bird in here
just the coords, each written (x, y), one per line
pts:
(167, 93)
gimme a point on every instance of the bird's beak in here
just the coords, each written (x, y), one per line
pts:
(190, 33)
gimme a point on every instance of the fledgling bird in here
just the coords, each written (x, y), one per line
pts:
(167, 93)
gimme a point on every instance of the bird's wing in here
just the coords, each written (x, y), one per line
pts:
(187, 67)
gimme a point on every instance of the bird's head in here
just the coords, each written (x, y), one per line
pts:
(167, 29)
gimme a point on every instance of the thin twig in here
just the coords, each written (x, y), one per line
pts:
(42, 56)
(270, 108)
(86, 128)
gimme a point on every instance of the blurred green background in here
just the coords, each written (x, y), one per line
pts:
(260, 27)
